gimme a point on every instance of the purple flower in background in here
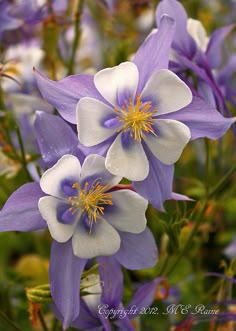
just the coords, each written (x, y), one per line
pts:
(230, 250)
(7, 21)
(195, 51)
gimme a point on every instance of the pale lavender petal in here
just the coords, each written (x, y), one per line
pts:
(182, 41)
(55, 138)
(65, 273)
(137, 251)
(214, 48)
(127, 158)
(118, 84)
(92, 116)
(65, 94)
(112, 278)
(202, 119)
(20, 212)
(103, 240)
(119, 215)
(157, 187)
(180, 197)
(230, 250)
(93, 169)
(153, 54)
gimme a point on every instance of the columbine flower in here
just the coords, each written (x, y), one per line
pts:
(159, 124)
(81, 205)
(135, 119)
(116, 229)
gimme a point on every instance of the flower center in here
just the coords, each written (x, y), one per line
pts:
(136, 117)
(90, 200)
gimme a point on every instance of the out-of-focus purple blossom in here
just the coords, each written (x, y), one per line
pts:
(230, 250)
(7, 20)
(195, 51)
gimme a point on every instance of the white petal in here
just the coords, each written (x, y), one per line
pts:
(67, 168)
(198, 33)
(94, 166)
(170, 142)
(167, 92)
(104, 240)
(59, 231)
(117, 82)
(91, 114)
(127, 161)
(128, 211)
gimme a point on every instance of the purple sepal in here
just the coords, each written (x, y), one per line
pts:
(153, 54)
(214, 48)
(20, 212)
(182, 41)
(65, 273)
(157, 187)
(202, 119)
(112, 291)
(65, 94)
(55, 138)
(145, 295)
(180, 197)
(132, 258)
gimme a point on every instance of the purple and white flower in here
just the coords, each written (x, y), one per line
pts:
(80, 205)
(116, 229)
(133, 120)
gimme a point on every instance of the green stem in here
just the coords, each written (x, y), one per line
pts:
(76, 38)
(22, 149)
(222, 182)
(2, 104)
(189, 241)
(42, 321)
(207, 173)
(200, 219)
(164, 266)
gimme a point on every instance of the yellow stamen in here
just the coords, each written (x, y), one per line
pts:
(90, 200)
(138, 118)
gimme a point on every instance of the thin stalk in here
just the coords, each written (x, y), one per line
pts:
(189, 241)
(77, 36)
(164, 266)
(222, 182)
(22, 149)
(42, 321)
(207, 172)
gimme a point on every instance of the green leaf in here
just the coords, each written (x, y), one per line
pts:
(7, 324)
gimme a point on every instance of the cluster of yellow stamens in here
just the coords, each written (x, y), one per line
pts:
(138, 118)
(90, 200)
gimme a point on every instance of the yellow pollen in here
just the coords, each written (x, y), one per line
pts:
(90, 200)
(138, 118)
